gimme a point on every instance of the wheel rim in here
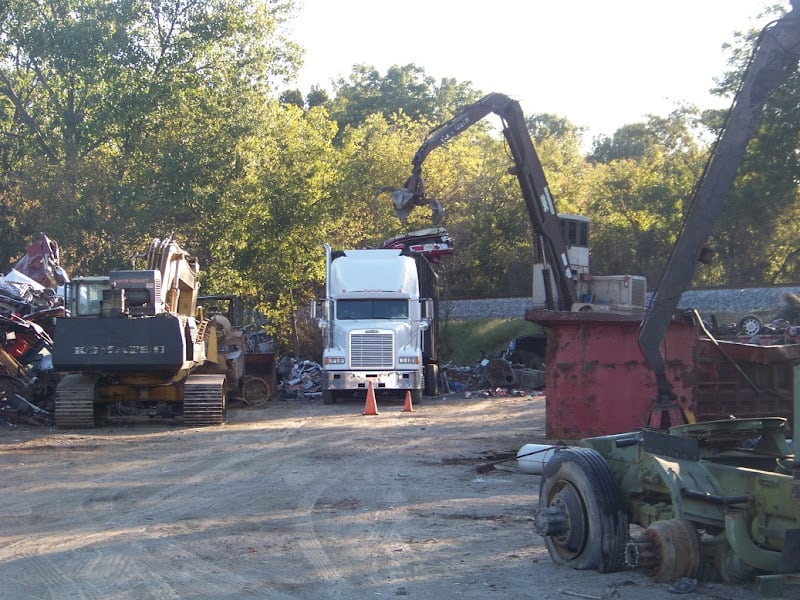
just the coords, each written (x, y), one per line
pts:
(256, 391)
(750, 326)
(571, 542)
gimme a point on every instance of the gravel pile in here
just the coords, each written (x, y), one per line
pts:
(743, 300)
(485, 308)
(707, 301)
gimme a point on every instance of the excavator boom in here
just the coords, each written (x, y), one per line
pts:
(774, 59)
(539, 203)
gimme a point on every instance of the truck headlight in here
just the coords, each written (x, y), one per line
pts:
(409, 360)
(334, 360)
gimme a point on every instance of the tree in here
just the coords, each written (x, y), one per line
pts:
(293, 97)
(680, 131)
(406, 89)
(103, 101)
(317, 97)
(545, 125)
(267, 234)
(638, 190)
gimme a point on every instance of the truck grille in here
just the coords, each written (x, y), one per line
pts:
(638, 291)
(372, 350)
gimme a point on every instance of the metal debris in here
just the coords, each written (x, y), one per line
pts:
(300, 379)
(29, 304)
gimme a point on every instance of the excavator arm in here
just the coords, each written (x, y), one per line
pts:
(528, 170)
(774, 59)
(179, 275)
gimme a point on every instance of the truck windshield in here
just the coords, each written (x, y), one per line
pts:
(372, 309)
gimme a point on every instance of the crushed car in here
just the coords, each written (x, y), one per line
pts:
(29, 304)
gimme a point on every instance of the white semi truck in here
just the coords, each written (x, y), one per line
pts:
(376, 325)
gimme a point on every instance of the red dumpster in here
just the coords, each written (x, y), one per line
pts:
(598, 381)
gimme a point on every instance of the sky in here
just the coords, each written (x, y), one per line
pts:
(599, 63)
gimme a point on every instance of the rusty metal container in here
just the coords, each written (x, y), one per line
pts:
(744, 380)
(262, 365)
(598, 381)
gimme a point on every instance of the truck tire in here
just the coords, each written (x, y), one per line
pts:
(416, 397)
(580, 501)
(432, 379)
(328, 397)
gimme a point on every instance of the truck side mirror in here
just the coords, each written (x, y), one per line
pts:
(426, 308)
(426, 305)
(319, 312)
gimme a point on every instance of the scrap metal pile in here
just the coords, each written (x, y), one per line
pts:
(302, 379)
(299, 379)
(29, 305)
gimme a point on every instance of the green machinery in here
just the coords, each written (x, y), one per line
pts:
(719, 499)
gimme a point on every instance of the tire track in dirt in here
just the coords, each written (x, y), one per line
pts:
(121, 532)
(41, 577)
(374, 527)
(211, 469)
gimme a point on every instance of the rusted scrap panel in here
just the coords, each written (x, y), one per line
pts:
(754, 353)
(744, 380)
(598, 381)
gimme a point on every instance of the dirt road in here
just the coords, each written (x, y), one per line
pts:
(297, 500)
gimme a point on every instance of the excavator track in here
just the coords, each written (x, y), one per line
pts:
(204, 400)
(74, 404)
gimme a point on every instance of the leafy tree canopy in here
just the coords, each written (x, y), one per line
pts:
(88, 88)
(406, 89)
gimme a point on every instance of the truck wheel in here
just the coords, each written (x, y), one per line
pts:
(416, 397)
(750, 325)
(581, 512)
(74, 403)
(328, 397)
(432, 379)
(204, 400)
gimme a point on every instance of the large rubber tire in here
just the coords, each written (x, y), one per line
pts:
(328, 397)
(432, 379)
(416, 397)
(580, 483)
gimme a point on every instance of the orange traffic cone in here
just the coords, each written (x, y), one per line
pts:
(408, 407)
(370, 408)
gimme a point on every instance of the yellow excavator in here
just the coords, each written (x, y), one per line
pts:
(137, 336)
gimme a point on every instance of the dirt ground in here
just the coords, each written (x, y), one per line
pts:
(294, 500)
